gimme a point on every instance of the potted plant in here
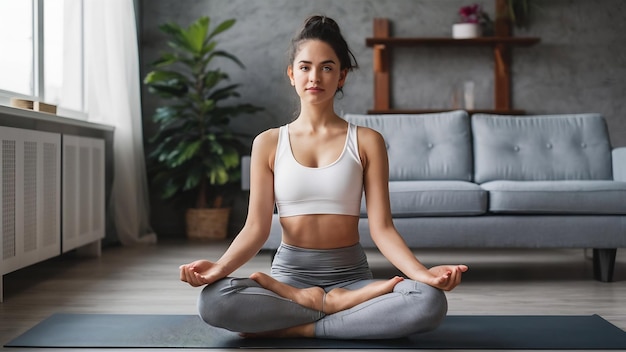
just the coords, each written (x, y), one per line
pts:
(473, 22)
(194, 148)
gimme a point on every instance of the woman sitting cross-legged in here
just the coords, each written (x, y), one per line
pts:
(315, 169)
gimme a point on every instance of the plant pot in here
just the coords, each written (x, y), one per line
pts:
(207, 224)
(466, 30)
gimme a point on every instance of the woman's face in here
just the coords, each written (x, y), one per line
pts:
(315, 72)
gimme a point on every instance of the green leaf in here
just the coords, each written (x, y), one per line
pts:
(171, 29)
(228, 56)
(207, 106)
(156, 152)
(180, 43)
(165, 60)
(216, 147)
(230, 158)
(196, 33)
(166, 83)
(162, 149)
(170, 189)
(193, 178)
(207, 49)
(221, 28)
(177, 36)
(218, 176)
(167, 91)
(160, 76)
(188, 151)
(225, 92)
(169, 157)
(165, 114)
(212, 78)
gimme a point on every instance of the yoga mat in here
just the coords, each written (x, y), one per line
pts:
(456, 332)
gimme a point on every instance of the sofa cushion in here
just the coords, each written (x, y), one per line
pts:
(535, 148)
(619, 163)
(557, 197)
(424, 146)
(434, 198)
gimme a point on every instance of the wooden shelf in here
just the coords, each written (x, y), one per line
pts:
(428, 111)
(482, 41)
(382, 42)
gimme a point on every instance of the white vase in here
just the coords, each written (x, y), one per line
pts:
(465, 30)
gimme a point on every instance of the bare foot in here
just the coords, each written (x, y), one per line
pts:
(339, 299)
(312, 297)
(307, 330)
(336, 300)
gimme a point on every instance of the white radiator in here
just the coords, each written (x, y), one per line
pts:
(52, 198)
(83, 191)
(30, 197)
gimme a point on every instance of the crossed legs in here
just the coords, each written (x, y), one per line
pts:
(334, 301)
(244, 305)
(261, 306)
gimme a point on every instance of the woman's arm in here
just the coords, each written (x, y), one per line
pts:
(257, 226)
(382, 229)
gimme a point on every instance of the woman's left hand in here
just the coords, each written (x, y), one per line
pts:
(446, 277)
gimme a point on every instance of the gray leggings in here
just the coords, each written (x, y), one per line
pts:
(241, 305)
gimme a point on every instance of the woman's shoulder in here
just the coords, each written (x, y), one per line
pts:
(267, 136)
(367, 135)
(266, 141)
(264, 147)
(371, 143)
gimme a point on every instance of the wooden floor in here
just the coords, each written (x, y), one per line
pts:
(145, 280)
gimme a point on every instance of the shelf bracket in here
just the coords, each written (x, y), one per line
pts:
(502, 74)
(502, 58)
(382, 77)
(379, 63)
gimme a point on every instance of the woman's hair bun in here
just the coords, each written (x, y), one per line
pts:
(324, 28)
(318, 21)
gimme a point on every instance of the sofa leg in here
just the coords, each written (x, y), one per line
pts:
(604, 263)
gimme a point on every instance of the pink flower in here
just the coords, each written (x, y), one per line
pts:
(470, 13)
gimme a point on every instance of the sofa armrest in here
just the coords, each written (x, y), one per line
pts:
(619, 164)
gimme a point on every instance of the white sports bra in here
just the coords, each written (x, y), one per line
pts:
(332, 189)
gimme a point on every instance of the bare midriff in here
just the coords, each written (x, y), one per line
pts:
(320, 231)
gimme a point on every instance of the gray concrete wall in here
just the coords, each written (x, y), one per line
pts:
(579, 66)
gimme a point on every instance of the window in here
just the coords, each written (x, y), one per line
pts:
(43, 53)
(16, 63)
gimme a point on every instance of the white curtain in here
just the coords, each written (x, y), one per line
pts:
(113, 98)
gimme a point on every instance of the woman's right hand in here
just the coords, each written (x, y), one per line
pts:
(201, 272)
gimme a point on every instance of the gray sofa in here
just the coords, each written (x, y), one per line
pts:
(492, 181)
